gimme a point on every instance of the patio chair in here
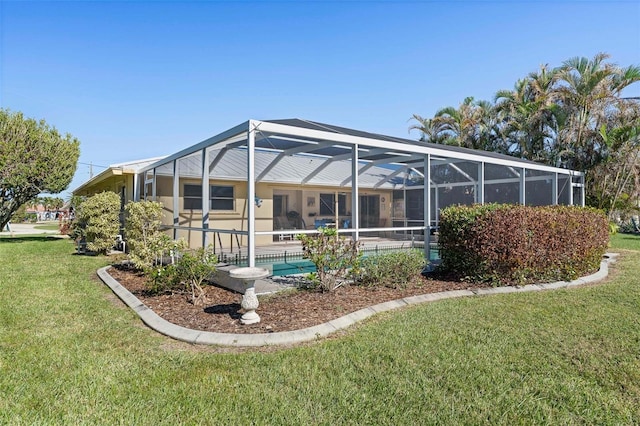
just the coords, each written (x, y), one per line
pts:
(282, 223)
(382, 222)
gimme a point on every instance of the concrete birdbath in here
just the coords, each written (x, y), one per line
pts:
(249, 299)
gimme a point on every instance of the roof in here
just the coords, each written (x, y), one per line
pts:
(292, 169)
(130, 167)
(313, 125)
(136, 165)
(306, 152)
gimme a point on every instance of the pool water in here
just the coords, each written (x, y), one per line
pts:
(299, 265)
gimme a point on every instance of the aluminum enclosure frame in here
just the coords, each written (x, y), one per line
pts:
(400, 164)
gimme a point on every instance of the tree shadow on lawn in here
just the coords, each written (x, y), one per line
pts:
(27, 238)
(634, 237)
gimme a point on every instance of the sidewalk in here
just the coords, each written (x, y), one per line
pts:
(26, 229)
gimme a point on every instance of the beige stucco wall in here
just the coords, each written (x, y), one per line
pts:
(235, 219)
(303, 199)
(306, 201)
(113, 183)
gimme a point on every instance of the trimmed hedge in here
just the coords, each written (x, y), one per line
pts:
(513, 244)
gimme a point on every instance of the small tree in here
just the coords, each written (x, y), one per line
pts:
(192, 269)
(145, 240)
(333, 255)
(34, 158)
(97, 220)
(188, 274)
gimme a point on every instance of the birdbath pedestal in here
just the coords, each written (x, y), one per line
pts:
(249, 299)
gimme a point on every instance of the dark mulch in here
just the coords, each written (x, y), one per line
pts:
(289, 310)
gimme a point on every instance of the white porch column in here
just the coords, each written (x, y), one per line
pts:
(251, 196)
(480, 196)
(136, 187)
(437, 204)
(571, 189)
(153, 186)
(523, 183)
(355, 217)
(176, 197)
(427, 206)
(554, 189)
(205, 197)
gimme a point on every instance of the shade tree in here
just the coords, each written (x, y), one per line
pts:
(34, 159)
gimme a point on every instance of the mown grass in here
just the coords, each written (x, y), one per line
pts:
(69, 354)
(625, 241)
(47, 226)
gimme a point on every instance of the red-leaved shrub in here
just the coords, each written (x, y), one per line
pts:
(513, 244)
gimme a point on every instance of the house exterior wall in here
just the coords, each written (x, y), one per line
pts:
(235, 219)
(305, 201)
(114, 184)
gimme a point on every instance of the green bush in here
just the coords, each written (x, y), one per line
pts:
(145, 241)
(335, 257)
(629, 226)
(395, 269)
(613, 228)
(187, 274)
(512, 244)
(162, 279)
(97, 221)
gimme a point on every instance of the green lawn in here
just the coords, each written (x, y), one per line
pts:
(625, 241)
(69, 354)
(48, 226)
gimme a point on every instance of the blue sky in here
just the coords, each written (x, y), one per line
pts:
(138, 79)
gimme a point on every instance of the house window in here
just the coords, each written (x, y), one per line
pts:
(220, 197)
(192, 197)
(328, 202)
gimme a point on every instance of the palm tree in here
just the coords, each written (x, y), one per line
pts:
(614, 183)
(57, 203)
(471, 125)
(430, 129)
(589, 92)
(528, 115)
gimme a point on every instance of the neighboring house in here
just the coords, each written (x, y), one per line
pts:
(40, 212)
(269, 180)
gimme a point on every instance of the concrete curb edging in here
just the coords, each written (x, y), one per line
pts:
(177, 332)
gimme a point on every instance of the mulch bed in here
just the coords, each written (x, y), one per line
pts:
(285, 311)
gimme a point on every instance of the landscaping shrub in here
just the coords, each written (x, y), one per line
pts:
(188, 274)
(512, 244)
(630, 226)
(145, 241)
(162, 279)
(97, 221)
(395, 269)
(335, 257)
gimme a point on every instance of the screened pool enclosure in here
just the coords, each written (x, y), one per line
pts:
(257, 185)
